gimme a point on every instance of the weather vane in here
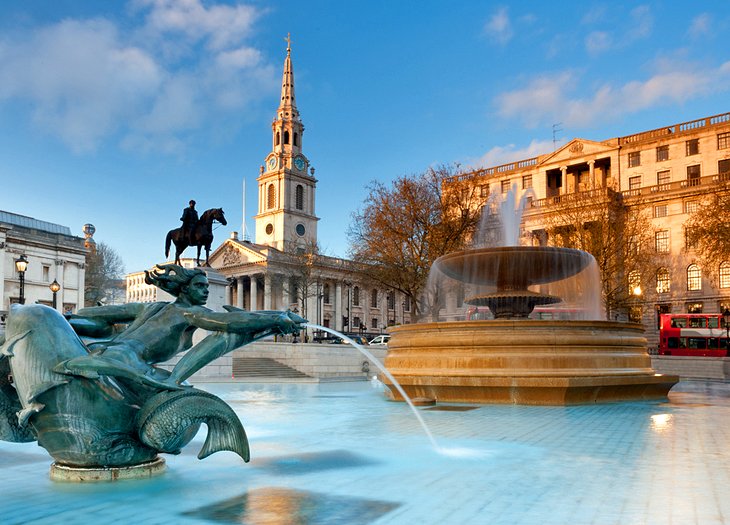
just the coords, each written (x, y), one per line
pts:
(288, 41)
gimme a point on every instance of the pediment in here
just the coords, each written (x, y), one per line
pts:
(233, 253)
(577, 149)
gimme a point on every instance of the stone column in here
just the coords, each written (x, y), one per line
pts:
(338, 307)
(285, 295)
(592, 173)
(267, 291)
(254, 294)
(564, 180)
(239, 293)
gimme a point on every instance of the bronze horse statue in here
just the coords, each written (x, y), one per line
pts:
(202, 235)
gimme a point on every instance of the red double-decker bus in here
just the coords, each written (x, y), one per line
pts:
(693, 334)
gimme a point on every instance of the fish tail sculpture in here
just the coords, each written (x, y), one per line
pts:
(170, 419)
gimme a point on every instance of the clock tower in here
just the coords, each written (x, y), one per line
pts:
(286, 219)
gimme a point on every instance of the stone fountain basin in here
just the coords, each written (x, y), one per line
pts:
(524, 362)
(513, 267)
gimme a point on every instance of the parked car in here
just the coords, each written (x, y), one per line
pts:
(381, 340)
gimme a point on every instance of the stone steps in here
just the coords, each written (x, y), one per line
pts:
(263, 367)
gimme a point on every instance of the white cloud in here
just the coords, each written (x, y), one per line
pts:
(548, 99)
(638, 25)
(220, 25)
(642, 22)
(700, 27)
(499, 155)
(499, 27)
(85, 81)
(598, 42)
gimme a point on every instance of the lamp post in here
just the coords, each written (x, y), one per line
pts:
(726, 318)
(55, 287)
(21, 264)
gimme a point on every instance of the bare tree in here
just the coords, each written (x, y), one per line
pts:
(618, 234)
(403, 228)
(104, 270)
(708, 231)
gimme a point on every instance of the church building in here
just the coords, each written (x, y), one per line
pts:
(283, 268)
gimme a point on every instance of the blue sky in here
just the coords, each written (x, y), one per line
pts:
(118, 112)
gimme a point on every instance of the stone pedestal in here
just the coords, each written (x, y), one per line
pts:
(524, 362)
(91, 475)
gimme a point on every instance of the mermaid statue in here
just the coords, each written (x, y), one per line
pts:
(87, 387)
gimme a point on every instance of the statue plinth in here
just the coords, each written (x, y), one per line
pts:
(103, 474)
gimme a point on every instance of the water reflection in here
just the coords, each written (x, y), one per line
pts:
(661, 423)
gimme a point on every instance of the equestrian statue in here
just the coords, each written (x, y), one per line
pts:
(194, 232)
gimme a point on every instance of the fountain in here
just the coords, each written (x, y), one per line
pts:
(513, 358)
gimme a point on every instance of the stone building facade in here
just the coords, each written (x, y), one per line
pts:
(53, 254)
(667, 170)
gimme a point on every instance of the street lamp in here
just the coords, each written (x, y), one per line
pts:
(55, 287)
(21, 264)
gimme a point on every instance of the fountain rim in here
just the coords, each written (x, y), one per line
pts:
(598, 324)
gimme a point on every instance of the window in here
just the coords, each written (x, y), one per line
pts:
(694, 308)
(299, 197)
(635, 182)
(661, 309)
(661, 241)
(391, 300)
(374, 298)
(660, 211)
(407, 302)
(527, 182)
(723, 140)
(374, 323)
(634, 283)
(694, 278)
(326, 293)
(286, 137)
(356, 322)
(46, 273)
(278, 138)
(505, 186)
(484, 190)
(356, 296)
(634, 159)
(663, 177)
(693, 147)
(693, 175)
(691, 206)
(662, 280)
(690, 242)
(725, 275)
(723, 169)
(296, 138)
(270, 196)
(662, 153)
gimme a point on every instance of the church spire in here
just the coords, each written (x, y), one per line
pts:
(288, 104)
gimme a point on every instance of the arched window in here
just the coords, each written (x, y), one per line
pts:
(356, 296)
(391, 300)
(299, 197)
(278, 138)
(662, 280)
(270, 196)
(634, 283)
(296, 138)
(374, 298)
(286, 137)
(694, 278)
(725, 274)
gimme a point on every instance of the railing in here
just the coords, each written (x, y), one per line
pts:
(496, 169)
(676, 128)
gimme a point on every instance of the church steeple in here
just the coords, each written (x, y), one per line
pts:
(288, 105)
(286, 218)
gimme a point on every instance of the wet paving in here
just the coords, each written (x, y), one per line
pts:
(342, 454)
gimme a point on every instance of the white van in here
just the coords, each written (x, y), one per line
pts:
(380, 340)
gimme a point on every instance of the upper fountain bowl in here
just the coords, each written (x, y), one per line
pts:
(513, 267)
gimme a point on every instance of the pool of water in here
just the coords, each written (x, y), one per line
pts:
(340, 453)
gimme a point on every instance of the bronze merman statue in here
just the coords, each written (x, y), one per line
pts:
(103, 402)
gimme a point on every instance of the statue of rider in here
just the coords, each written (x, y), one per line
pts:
(190, 220)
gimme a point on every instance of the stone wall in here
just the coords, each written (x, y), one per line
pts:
(687, 367)
(321, 361)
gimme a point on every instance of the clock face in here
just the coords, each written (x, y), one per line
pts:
(272, 162)
(299, 163)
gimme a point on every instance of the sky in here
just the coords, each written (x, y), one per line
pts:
(116, 113)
